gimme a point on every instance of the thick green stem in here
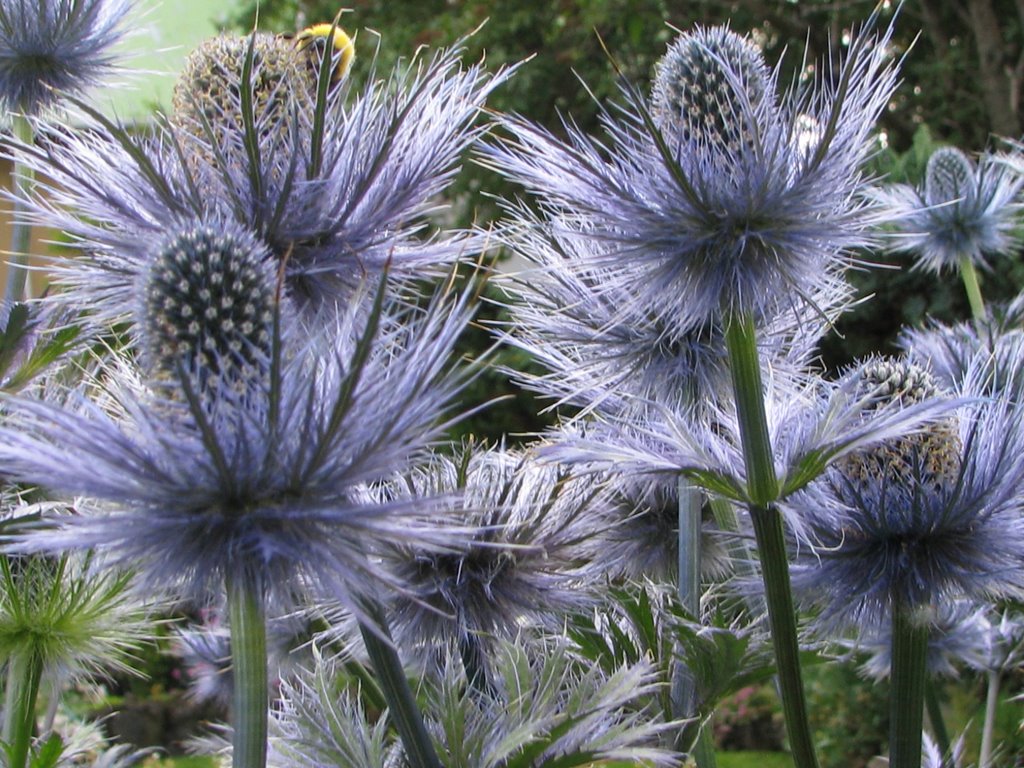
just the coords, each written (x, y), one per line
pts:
(970, 277)
(938, 722)
(21, 232)
(989, 726)
(419, 748)
(251, 698)
(763, 491)
(771, 544)
(908, 682)
(24, 671)
(745, 366)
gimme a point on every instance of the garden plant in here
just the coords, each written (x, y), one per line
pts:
(242, 415)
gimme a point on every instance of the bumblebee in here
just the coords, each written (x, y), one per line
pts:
(314, 41)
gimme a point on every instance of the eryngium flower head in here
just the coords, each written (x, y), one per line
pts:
(730, 198)
(52, 48)
(266, 479)
(208, 304)
(917, 519)
(337, 192)
(524, 566)
(966, 210)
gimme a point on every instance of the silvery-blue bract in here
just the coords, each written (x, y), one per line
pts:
(206, 469)
(743, 200)
(54, 48)
(333, 200)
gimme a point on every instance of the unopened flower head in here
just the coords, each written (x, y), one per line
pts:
(208, 304)
(919, 518)
(720, 194)
(965, 210)
(338, 183)
(53, 48)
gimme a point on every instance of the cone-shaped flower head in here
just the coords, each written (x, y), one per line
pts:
(339, 183)
(719, 194)
(919, 518)
(966, 210)
(706, 88)
(53, 48)
(209, 90)
(208, 305)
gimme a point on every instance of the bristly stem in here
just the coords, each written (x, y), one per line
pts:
(24, 671)
(908, 681)
(969, 274)
(762, 492)
(250, 698)
(390, 674)
(21, 231)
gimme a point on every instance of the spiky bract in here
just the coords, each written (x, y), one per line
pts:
(545, 703)
(697, 222)
(524, 564)
(336, 194)
(50, 49)
(263, 481)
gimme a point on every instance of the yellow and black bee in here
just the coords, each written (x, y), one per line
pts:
(314, 40)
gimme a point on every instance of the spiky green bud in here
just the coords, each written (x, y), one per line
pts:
(209, 302)
(705, 87)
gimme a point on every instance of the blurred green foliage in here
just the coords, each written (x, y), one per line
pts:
(849, 715)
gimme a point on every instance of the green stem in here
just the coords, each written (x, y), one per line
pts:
(970, 277)
(937, 721)
(745, 366)
(763, 491)
(684, 689)
(251, 698)
(908, 682)
(21, 232)
(24, 671)
(989, 726)
(704, 751)
(419, 748)
(771, 543)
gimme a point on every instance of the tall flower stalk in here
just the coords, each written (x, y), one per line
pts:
(722, 207)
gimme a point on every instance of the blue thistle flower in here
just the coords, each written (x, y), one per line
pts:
(50, 49)
(920, 518)
(338, 187)
(965, 210)
(200, 483)
(718, 195)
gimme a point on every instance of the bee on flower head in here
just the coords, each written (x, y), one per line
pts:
(325, 39)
